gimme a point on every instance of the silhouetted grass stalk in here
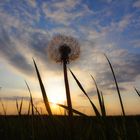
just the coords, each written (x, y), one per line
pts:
(81, 87)
(45, 98)
(103, 105)
(99, 98)
(73, 110)
(19, 107)
(31, 99)
(138, 92)
(3, 107)
(116, 83)
(70, 113)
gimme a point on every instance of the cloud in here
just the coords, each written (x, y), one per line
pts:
(17, 50)
(124, 22)
(64, 30)
(14, 98)
(19, 98)
(126, 71)
(10, 53)
(126, 64)
(65, 4)
(135, 43)
(136, 4)
(64, 12)
(20, 13)
(32, 3)
(19, 42)
(119, 26)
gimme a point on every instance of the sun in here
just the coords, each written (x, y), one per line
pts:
(56, 95)
(56, 98)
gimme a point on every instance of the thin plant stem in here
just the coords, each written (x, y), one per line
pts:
(116, 83)
(67, 88)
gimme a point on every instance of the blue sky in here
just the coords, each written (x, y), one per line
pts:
(100, 26)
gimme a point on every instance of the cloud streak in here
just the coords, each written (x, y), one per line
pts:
(10, 53)
(64, 12)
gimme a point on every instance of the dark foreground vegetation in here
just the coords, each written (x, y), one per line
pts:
(62, 128)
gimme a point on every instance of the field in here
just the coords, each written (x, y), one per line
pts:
(59, 128)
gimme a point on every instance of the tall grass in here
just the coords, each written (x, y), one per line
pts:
(138, 92)
(81, 87)
(103, 105)
(3, 107)
(45, 98)
(31, 99)
(73, 110)
(19, 106)
(116, 83)
(28, 112)
(100, 99)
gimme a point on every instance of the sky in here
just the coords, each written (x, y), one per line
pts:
(100, 26)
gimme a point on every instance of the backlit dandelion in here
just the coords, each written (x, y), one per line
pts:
(64, 49)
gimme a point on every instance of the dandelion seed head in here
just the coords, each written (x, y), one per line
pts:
(63, 48)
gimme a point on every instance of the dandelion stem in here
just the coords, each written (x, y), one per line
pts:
(67, 88)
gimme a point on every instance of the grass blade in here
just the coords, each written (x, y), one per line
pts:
(138, 92)
(73, 110)
(45, 98)
(29, 108)
(99, 96)
(17, 106)
(116, 83)
(80, 86)
(31, 98)
(20, 108)
(36, 110)
(103, 105)
(3, 107)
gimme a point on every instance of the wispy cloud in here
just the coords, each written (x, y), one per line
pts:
(32, 3)
(10, 53)
(64, 12)
(136, 4)
(135, 43)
